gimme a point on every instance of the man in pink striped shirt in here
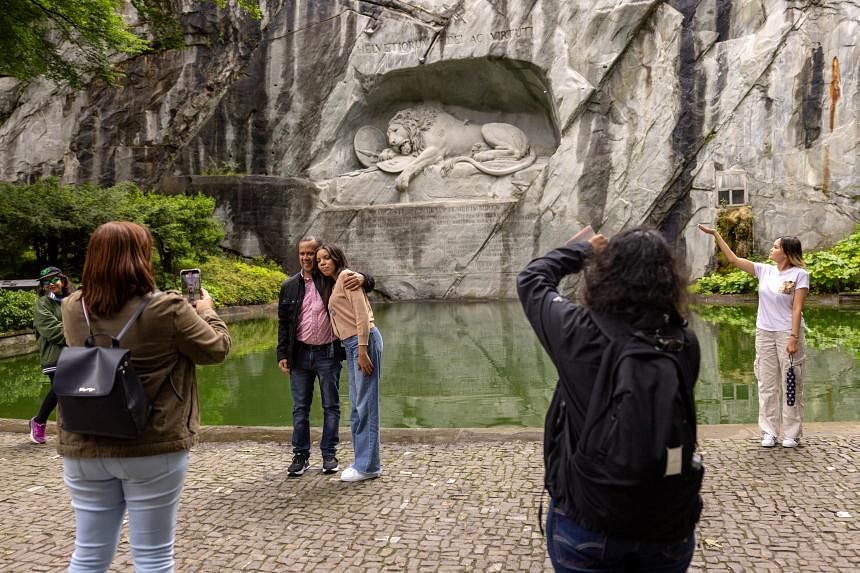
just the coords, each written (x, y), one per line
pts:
(307, 350)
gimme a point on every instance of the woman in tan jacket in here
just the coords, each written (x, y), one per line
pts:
(352, 322)
(108, 476)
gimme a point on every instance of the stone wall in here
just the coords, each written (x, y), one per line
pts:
(17, 343)
(636, 112)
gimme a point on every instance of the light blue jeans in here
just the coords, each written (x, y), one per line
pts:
(364, 397)
(102, 489)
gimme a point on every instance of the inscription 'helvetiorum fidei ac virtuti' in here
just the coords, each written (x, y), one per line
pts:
(448, 39)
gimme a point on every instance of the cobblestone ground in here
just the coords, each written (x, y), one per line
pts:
(455, 507)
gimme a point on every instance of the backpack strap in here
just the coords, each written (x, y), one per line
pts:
(141, 307)
(146, 300)
(669, 346)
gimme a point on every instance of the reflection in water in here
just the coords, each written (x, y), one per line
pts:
(479, 365)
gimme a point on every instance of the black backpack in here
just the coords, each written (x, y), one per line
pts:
(98, 389)
(631, 470)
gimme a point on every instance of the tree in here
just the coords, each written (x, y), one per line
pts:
(182, 226)
(63, 40)
(47, 223)
(73, 41)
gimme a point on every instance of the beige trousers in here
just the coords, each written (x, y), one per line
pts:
(771, 364)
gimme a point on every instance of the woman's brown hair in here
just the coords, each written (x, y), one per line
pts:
(793, 251)
(118, 266)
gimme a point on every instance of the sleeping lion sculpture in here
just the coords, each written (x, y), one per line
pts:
(426, 134)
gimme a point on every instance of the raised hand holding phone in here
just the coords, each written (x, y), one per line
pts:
(583, 234)
(190, 279)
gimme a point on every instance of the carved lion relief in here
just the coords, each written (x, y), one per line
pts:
(421, 136)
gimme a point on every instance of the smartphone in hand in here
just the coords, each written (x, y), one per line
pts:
(190, 279)
(583, 234)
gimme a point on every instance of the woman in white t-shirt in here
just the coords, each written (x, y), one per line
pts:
(779, 339)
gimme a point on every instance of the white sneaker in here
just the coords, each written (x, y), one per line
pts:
(789, 443)
(768, 441)
(352, 474)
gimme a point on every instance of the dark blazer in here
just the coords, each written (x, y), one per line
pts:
(290, 306)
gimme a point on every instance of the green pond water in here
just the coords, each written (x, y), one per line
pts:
(479, 365)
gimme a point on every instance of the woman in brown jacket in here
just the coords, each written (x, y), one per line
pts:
(107, 476)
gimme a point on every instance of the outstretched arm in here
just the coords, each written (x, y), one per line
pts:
(743, 264)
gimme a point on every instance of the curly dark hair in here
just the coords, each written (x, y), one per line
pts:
(636, 274)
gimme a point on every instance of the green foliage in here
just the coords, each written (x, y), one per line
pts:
(162, 23)
(250, 7)
(826, 328)
(221, 168)
(739, 318)
(16, 310)
(823, 332)
(233, 282)
(229, 280)
(252, 336)
(735, 226)
(732, 282)
(183, 226)
(830, 271)
(49, 224)
(21, 380)
(836, 269)
(64, 40)
(51, 221)
(72, 41)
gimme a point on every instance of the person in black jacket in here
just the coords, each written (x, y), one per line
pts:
(631, 282)
(307, 350)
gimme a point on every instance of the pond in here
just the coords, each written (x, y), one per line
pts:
(479, 365)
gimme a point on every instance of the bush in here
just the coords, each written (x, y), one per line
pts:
(48, 223)
(733, 282)
(232, 281)
(838, 268)
(16, 310)
(832, 270)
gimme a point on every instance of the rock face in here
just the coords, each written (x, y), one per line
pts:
(547, 115)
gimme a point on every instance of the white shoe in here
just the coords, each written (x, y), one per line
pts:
(768, 441)
(352, 474)
(789, 443)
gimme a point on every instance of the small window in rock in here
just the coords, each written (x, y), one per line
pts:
(731, 187)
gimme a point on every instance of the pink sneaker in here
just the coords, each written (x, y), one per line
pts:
(37, 432)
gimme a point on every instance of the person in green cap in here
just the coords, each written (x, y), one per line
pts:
(48, 323)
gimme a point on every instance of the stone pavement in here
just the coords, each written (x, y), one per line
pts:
(447, 501)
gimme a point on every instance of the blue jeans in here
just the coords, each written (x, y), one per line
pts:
(308, 365)
(364, 397)
(103, 488)
(572, 548)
